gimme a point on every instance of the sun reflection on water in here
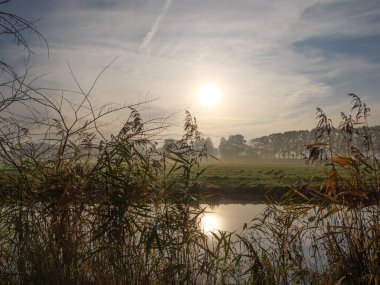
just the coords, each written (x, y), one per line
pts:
(210, 222)
(228, 217)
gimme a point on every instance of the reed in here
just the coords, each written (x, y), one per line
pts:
(326, 233)
(79, 206)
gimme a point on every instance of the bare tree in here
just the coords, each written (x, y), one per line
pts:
(13, 85)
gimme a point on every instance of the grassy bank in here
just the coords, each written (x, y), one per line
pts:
(253, 180)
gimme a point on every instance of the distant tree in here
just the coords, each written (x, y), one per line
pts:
(210, 147)
(233, 147)
(291, 144)
(205, 144)
(259, 147)
(169, 144)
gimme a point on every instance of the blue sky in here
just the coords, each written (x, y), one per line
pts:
(274, 61)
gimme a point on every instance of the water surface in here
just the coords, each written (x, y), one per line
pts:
(229, 217)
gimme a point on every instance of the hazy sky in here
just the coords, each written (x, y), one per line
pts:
(274, 61)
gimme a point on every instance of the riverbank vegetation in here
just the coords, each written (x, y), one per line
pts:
(82, 206)
(96, 210)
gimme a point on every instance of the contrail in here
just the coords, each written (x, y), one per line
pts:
(153, 30)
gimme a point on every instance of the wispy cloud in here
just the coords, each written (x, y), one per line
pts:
(153, 30)
(273, 59)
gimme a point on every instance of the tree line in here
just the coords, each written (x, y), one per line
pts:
(286, 145)
(292, 144)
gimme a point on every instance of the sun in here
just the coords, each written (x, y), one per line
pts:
(209, 95)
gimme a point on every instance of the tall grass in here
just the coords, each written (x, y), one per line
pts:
(327, 233)
(82, 207)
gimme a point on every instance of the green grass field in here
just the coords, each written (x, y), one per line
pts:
(264, 174)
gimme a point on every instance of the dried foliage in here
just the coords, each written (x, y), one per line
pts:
(353, 174)
(81, 207)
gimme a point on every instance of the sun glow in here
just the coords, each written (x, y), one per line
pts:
(210, 222)
(209, 95)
